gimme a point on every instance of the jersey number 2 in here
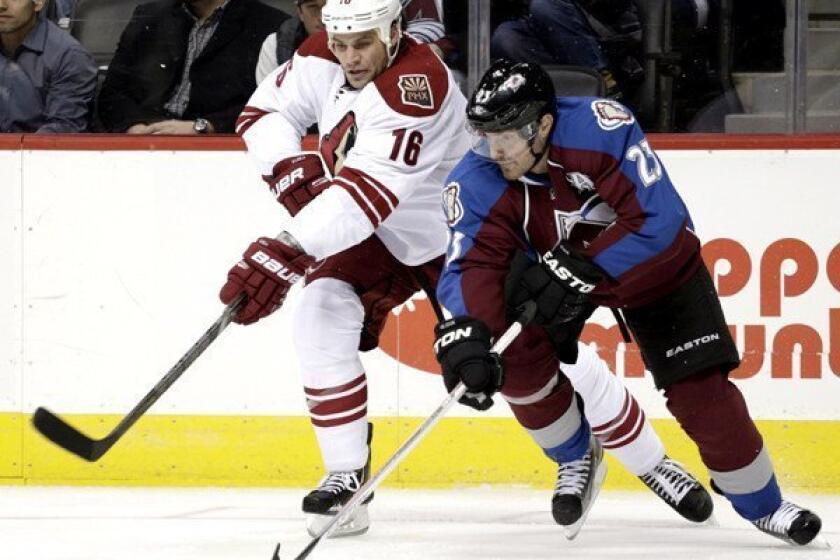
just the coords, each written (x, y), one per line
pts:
(412, 146)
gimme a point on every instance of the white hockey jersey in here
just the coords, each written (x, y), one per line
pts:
(389, 147)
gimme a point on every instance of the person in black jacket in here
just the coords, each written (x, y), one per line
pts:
(185, 66)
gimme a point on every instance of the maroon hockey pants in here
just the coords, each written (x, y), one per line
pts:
(712, 411)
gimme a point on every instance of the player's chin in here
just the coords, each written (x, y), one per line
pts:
(511, 173)
(359, 81)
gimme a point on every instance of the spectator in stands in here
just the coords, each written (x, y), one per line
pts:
(570, 32)
(606, 35)
(457, 22)
(424, 19)
(47, 79)
(185, 66)
(701, 98)
(280, 45)
(64, 8)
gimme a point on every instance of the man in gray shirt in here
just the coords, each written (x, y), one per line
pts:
(47, 79)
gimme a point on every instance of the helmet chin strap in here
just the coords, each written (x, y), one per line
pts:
(538, 156)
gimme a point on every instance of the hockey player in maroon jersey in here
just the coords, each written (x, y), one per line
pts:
(574, 184)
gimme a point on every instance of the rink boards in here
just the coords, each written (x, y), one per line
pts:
(117, 249)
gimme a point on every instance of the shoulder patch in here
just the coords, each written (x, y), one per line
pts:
(611, 115)
(416, 83)
(416, 90)
(452, 206)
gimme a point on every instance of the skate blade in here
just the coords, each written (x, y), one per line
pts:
(358, 523)
(819, 542)
(571, 531)
(711, 521)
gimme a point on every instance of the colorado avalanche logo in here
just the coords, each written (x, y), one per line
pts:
(452, 204)
(416, 91)
(583, 225)
(581, 182)
(611, 114)
(513, 83)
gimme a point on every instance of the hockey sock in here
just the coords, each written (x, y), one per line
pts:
(328, 320)
(553, 420)
(339, 415)
(537, 411)
(617, 420)
(712, 411)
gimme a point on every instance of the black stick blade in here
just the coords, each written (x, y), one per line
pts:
(276, 553)
(66, 436)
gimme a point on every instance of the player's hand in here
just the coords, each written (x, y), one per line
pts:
(462, 347)
(559, 284)
(266, 272)
(297, 180)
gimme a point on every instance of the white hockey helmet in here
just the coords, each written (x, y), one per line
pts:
(352, 16)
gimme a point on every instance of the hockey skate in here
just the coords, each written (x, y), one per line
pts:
(791, 523)
(578, 484)
(335, 490)
(677, 488)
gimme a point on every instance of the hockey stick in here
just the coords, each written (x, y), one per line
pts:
(64, 435)
(527, 315)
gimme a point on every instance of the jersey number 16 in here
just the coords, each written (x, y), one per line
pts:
(412, 146)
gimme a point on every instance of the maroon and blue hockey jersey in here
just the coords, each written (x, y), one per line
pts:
(606, 192)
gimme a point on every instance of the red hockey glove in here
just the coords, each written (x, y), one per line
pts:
(266, 272)
(297, 180)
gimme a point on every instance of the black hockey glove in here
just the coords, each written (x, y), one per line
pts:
(462, 347)
(564, 338)
(559, 284)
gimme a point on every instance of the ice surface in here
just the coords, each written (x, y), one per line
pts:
(55, 523)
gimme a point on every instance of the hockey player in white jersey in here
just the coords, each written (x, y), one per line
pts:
(366, 213)
(367, 230)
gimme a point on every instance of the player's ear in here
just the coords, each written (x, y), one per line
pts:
(396, 30)
(545, 123)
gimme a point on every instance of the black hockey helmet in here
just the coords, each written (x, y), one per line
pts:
(510, 95)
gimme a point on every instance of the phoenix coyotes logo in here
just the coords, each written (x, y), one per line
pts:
(611, 114)
(416, 91)
(338, 142)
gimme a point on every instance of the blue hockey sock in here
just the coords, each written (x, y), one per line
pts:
(573, 448)
(755, 505)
